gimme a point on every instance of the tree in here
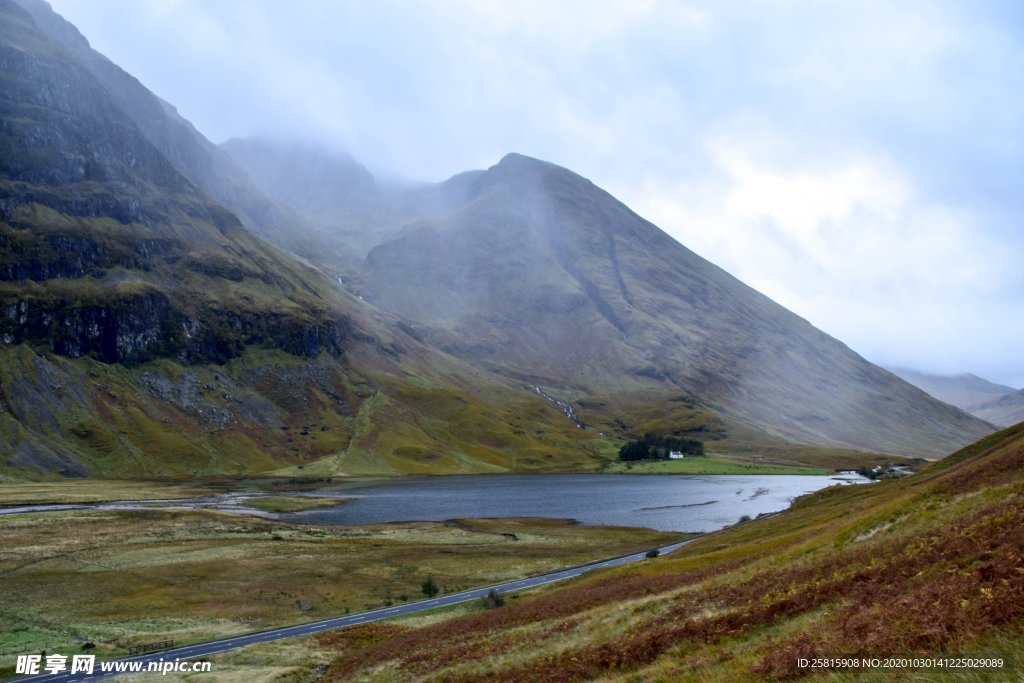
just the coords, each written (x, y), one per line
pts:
(634, 450)
(492, 600)
(654, 447)
(430, 588)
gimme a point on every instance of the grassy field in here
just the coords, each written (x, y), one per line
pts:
(127, 577)
(94, 491)
(709, 465)
(928, 565)
(292, 503)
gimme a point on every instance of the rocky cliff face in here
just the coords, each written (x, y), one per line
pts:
(140, 327)
(134, 326)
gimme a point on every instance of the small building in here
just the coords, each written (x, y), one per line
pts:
(676, 455)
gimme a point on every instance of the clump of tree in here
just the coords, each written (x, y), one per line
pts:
(430, 588)
(492, 600)
(654, 447)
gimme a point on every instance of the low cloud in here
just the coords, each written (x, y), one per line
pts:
(860, 162)
(857, 250)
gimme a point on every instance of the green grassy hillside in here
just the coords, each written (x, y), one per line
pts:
(930, 565)
(269, 411)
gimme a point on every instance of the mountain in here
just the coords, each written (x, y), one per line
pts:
(1004, 411)
(964, 391)
(507, 319)
(146, 332)
(332, 188)
(529, 270)
(344, 211)
(95, 216)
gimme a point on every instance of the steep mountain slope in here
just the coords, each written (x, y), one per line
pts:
(529, 270)
(964, 391)
(334, 189)
(187, 151)
(344, 210)
(926, 566)
(1004, 411)
(542, 276)
(145, 331)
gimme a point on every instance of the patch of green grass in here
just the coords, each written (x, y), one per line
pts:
(707, 465)
(292, 503)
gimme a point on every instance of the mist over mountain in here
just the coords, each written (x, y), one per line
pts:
(191, 154)
(964, 391)
(517, 318)
(329, 187)
(531, 271)
(1003, 411)
(996, 403)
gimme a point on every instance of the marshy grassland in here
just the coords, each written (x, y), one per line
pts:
(67, 491)
(125, 577)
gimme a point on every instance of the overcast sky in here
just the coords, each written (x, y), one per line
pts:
(861, 163)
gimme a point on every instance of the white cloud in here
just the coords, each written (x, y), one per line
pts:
(856, 250)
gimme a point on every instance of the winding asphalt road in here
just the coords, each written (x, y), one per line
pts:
(216, 646)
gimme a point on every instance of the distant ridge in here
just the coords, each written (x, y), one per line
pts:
(1005, 411)
(964, 391)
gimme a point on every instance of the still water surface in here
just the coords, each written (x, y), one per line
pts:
(663, 502)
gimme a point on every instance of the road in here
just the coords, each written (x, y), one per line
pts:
(216, 646)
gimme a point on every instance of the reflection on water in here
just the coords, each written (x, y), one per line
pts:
(663, 502)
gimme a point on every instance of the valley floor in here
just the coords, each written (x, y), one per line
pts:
(125, 577)
(925, 566)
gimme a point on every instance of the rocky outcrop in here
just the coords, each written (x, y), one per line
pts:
(30, 255)
(222, 335)
(141, 326)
